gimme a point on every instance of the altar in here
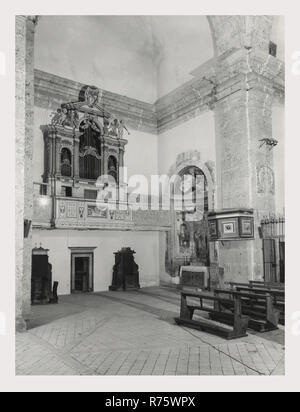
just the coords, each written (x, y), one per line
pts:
(194, 277)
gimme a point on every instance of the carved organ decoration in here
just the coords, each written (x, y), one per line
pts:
(84, 141)
(90, 148)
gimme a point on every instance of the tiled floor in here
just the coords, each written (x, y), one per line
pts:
(134, 333)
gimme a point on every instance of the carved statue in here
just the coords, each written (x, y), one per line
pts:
(114, 128)
(122, 128)
(91, 121)
(74, 119)
(200, 242)
(64, 117)
(59, 117)
(106, 126)
(91, 96)
(184, 236)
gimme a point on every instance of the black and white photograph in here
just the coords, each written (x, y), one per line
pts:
(139, 132)
(150, 196)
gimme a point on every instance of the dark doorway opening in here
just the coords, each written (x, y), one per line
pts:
(269, 253)
(282, 261)
(82, 273)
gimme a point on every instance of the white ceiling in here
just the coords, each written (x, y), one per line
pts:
(142, 57)
(124, 54)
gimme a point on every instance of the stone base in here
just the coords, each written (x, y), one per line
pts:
(22, 324)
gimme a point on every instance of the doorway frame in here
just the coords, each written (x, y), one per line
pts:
(82, 252)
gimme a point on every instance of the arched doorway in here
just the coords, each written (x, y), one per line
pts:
(189, 243)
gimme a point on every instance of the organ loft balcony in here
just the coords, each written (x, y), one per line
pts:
(64, 211)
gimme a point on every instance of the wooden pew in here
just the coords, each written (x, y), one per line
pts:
(264, 316)
(239, 322)
(269, 285)
(256, 284)
(277, 294)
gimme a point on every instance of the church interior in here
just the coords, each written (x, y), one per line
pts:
(136, 99)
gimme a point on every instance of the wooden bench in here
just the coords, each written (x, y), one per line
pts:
(260, 307)
(256, 284)
(239, 323)
(270, 285)
(277, 292)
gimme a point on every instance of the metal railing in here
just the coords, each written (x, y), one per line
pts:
(273, 227)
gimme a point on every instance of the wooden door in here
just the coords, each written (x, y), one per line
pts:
(269, 253)
(82, 273)
(282, 261)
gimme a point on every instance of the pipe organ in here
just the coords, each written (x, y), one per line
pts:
(83, 142)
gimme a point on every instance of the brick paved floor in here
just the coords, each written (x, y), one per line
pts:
(133, 333)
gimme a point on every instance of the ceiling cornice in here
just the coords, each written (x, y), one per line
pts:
(212, 82)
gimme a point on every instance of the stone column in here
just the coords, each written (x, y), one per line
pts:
(105, 159)
(50, 152)
(243, 115)
(57, 156)
(102, 155)
(235, 32)
(25, 27)
(76, 157)
(244, 78)
(121, 164)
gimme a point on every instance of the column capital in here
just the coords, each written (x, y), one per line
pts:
(249, 69)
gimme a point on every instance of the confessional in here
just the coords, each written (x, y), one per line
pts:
(125, 271)
(41, 279)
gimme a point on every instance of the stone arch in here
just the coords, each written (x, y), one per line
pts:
(193, 158)
(174, 257)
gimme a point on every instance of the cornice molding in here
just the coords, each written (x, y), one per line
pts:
(214, 81)
(218, 78)
(184, 103)
(51, 91)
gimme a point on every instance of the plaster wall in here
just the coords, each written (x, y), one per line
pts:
(146, 245)
(196, 134)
